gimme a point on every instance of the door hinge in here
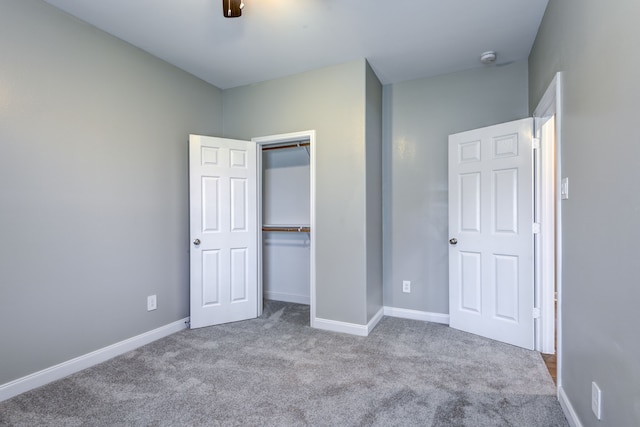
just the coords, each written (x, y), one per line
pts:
(536, 228)
(535, 143)
(536, 313)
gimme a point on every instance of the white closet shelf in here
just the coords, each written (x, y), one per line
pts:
(290, 228)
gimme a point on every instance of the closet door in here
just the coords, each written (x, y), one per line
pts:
(223, 228)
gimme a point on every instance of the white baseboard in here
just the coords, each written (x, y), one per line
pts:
(567, 408)
(61, 370)
(375, 320)
(343, 327)
(281, 296)
(364, 330)
(349, 328)
(425, 316)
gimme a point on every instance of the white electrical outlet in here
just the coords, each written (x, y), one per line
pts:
(406, 286)
(152, 303)
(596, 400)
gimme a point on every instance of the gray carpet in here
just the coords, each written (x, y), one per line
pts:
(276, 371)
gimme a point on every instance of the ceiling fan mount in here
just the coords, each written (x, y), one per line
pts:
(232, 8)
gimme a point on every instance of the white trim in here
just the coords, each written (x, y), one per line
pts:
(61, 370)
(279, 139)
(424, 316)
(282, 296)
(544, 241)
(349, 328)
(551, 103)
(537, 237)
(375, 320)
(567, 408)
(559, 123)
(548, 101)
(343, 327)
(547, 238)
(312, 221)
(260, 290)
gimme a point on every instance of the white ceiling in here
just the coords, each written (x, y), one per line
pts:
(402, 39)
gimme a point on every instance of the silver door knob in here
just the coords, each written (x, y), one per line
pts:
(196, 242)
(453, 241)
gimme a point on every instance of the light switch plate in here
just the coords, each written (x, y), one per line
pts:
(564, 188)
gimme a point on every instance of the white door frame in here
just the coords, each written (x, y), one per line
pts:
(263, 141)
(550, 104)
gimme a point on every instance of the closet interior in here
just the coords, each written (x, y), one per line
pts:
(286, 232)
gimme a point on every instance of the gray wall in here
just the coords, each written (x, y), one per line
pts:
(331, 101)
(419, 116)
(373, 156)
(93, 187)
(595, 44)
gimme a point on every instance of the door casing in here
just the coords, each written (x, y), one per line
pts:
(264, 141)
(551, 104)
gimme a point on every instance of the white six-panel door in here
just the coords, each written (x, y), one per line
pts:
(491, 282)
(223, 229)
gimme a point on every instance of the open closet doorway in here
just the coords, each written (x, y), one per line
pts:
(286, 218)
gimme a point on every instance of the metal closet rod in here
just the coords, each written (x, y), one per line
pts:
(293, 145)
(294, 229)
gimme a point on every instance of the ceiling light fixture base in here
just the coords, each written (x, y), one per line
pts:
(232, 8)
